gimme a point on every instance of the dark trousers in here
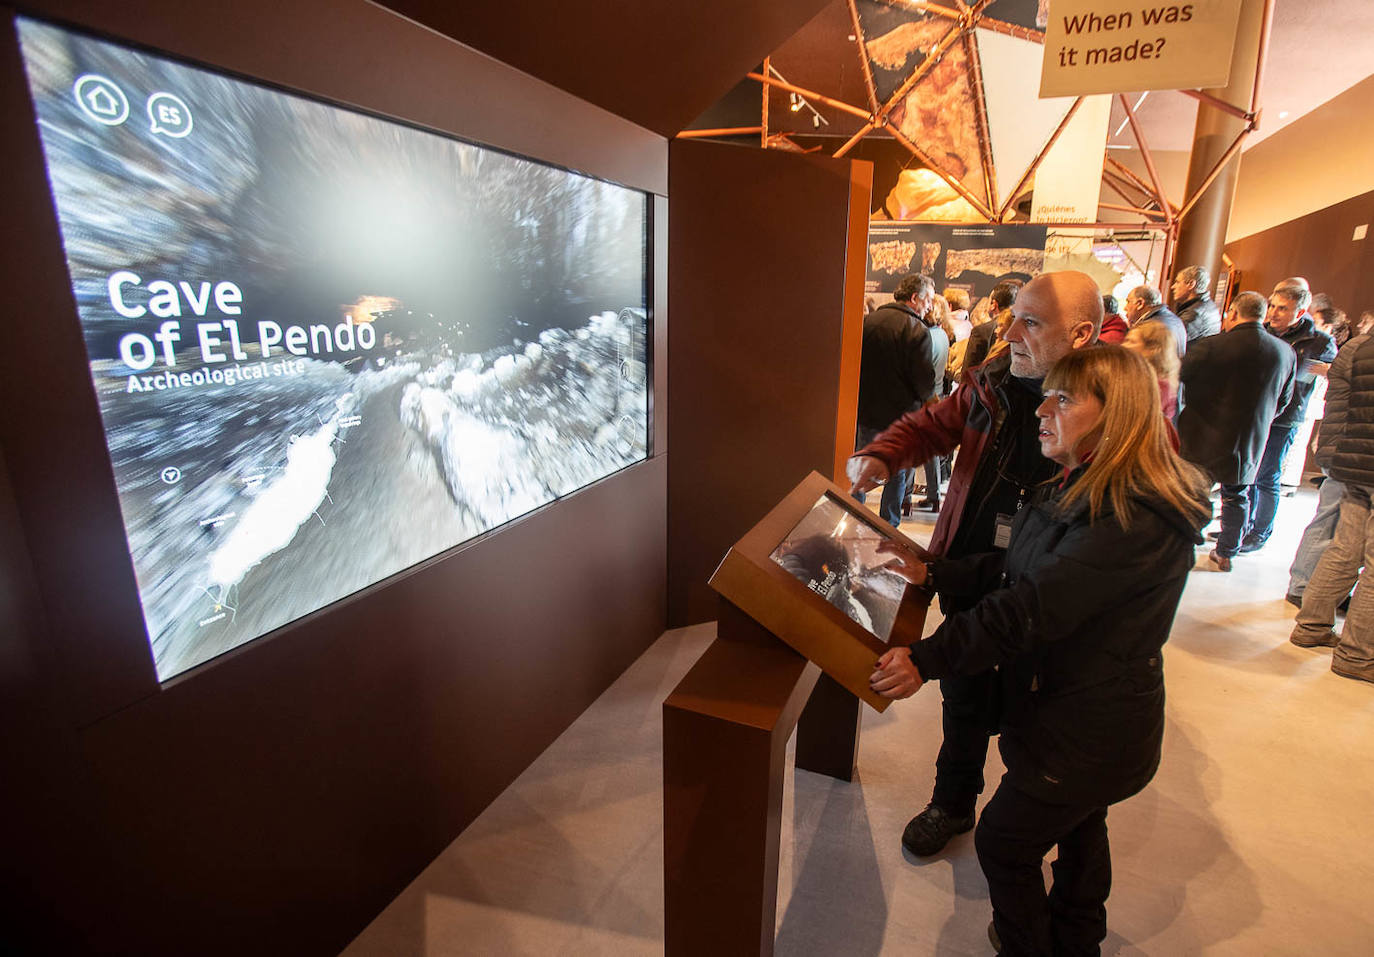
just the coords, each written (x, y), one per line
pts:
(933, 479)
(1235, 518)
(1264, 497)
(895, 489)
(1014, 834)
(967, 715)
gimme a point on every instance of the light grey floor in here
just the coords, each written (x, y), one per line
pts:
(1256, 837)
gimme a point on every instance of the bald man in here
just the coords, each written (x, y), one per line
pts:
(999, 471)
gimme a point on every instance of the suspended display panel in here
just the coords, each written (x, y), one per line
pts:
(325, 346)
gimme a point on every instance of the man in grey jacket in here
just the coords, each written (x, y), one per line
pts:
(1194, 305)
(1145, 304)
(1346, 449)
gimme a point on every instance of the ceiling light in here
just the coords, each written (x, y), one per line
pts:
(796, 102)
(1283, 115)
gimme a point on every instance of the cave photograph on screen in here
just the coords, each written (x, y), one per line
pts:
(325, 346)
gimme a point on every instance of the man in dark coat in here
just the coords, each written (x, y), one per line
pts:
(983, 335)
(999, 471)
(1235, 384)
(1145, 304)
(1346, 450)
(1314, 351)
(897, 373)
(1194, 305)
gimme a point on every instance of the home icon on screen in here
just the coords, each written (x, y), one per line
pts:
(101, 99)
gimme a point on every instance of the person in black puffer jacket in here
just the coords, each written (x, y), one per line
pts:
(1074, 615)
(1346, 450)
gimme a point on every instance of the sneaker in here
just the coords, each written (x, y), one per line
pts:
(1221, 561)
(1339, 667)
(1294, 600)
(1303, 640)
(928, 832)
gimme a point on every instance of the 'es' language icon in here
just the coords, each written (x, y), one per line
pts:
(169, 115)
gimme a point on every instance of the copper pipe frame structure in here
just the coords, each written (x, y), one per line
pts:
(1134, 178)
(1266, 27)
(1129, 209)
(870, 87)
(802, 91)
(879, 119)
(1149, 159)
(763, 124)
(1119, 179)
(1119, 185)
(966, 22)
(1039, 158)
(980, 112)
(922, 6)
(1218, 104)
(724, 131)
(1157, 227)
(1216, 171)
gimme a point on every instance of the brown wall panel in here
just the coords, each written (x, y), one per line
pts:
(1318, 246)
(274, 800)
(757, 290)
(660, 63)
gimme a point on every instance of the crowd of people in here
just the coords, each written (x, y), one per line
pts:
(1090, 442)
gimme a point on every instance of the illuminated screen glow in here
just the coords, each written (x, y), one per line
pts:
(325, 346)
(835, 555)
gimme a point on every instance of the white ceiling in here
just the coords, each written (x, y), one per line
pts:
(1317, 49)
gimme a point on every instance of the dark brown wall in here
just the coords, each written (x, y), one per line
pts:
(1319, 247)
(273, 801)
(760, 244)
(660, 63)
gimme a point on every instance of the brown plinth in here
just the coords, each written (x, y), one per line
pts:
(725, 731)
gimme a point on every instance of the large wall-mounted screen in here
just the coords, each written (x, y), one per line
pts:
(325, 346)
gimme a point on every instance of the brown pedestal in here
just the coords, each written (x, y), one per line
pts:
(725, 731)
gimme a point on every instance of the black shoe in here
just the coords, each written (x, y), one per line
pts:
(1213, 536)
(931, 504)
(928, 832)
(1294, 600)
(1344, 606)
(1249, 545)
(993, 939)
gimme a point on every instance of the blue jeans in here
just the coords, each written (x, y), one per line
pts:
(894, 492)
(1316, 536)
(1264, 497)
(1235, 513)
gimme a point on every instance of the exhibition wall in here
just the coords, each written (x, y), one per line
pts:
(274, 799)
(1312, 163)
(766, 293)
(1320, 246)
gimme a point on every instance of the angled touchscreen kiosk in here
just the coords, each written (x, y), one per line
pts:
(810, 572)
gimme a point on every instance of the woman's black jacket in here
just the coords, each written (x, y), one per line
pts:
(1074, 615)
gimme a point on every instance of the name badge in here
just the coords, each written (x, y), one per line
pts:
(1002, 537)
